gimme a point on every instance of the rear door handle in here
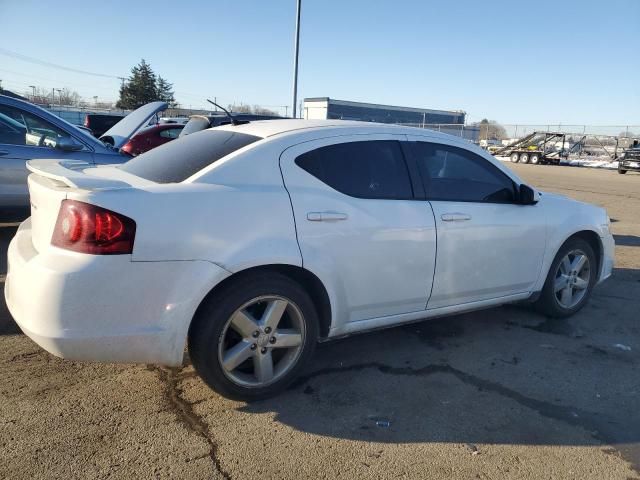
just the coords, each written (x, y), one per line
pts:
(326, 216)
(4, 152)
(455, 217)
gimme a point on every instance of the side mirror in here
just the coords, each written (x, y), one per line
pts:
(68, 144)
(527, 195)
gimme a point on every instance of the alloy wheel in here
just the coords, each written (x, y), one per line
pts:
(261, 341)
(572, 279)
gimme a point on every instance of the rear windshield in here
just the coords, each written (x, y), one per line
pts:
(176, 161)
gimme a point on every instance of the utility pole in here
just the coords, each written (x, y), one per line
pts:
(53, 96)
(33, 92)
(286, 110)
(59, 90)
(295, 59)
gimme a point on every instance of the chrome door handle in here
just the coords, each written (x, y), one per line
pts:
(326, 216)
(455, 217)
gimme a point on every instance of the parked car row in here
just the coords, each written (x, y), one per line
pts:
(29, 132)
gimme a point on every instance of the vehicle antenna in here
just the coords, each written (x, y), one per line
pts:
(233, 120)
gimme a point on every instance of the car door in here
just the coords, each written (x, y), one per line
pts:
(26, 136)
(489, 246)
(359, 228)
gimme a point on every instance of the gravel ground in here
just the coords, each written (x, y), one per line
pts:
(501, 393)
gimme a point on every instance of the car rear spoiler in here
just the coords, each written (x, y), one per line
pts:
(71, 173)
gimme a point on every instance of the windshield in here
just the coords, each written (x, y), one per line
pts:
(176, 161)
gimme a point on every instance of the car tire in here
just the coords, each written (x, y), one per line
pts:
(622, 172)
(515, 157)
(524, 158)
(552, 300)
(535, 159)
(215, 334)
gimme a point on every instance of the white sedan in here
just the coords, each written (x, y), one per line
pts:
(250, 243)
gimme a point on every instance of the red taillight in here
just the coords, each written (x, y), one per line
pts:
(86, 228)
(86, 121)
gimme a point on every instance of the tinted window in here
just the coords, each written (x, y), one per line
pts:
(372, 169)
(18, 127)
(456, 174)
(176, 161)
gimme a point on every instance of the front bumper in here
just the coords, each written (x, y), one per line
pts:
(104, 308)
(608, 256)
(633, 164)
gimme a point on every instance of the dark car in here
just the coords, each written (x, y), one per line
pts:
(151, 137)
(99, 123)
(630, 160)
(202, 122)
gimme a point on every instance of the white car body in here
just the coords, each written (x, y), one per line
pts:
(380, 262)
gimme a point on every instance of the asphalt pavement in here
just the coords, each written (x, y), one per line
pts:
(500, 393)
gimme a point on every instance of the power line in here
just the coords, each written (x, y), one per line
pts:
(37, 61)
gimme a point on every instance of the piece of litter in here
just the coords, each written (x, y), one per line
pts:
(620, 346)
(574, 414)
(473, 448)
(383, 423)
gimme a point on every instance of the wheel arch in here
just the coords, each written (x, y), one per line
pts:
(594, 241)
(309, 281)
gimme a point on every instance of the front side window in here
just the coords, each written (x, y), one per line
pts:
(18, 127)
(456, 174)
(371, 169)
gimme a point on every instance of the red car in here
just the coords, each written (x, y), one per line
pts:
(151, 137)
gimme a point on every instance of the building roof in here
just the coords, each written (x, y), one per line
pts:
(380, 106)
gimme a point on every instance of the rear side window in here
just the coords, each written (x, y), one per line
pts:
(370, 169)
(176, 161)
(455, 174)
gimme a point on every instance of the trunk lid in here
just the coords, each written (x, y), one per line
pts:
(52, 181)
(122, 131)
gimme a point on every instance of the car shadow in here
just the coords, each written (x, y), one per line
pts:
(627, 240)
(505, 375)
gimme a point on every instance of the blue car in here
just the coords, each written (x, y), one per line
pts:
(29, 132)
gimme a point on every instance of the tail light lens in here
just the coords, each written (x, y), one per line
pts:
(85, 228)
(86, 121)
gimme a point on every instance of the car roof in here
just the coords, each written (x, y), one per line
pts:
(269, 128)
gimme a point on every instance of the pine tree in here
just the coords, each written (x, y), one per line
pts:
(140, 88)
(165, 91)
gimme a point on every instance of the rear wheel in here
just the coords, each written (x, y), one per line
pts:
(252, 339)
(622, 172)
(515, 157)
(535, 158)
(524, 158)
(570, 279)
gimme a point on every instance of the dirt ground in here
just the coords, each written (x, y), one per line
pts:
(501, 393)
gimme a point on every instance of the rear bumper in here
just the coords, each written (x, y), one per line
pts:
(104, 308)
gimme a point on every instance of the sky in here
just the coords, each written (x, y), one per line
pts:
(561, 61)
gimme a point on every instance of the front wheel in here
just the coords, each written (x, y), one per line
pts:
(251, 340)
(570, 280)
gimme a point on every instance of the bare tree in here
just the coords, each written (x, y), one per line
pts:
(491, 130)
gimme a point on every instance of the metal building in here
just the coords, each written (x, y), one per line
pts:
(329, 108)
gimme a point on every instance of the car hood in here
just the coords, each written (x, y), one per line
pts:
(122, 131)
